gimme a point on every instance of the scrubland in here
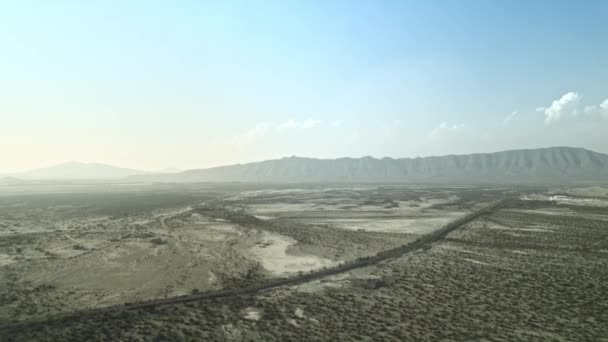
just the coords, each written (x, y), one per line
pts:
(533, 269)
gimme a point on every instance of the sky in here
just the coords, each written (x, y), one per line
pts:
(193, 84)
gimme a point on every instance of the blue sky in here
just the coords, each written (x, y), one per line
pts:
(187, 84)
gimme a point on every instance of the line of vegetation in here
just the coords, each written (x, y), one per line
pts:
(271, 283)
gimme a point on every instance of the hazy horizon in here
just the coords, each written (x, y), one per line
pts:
(185, 85)
(174, 169)
(265, 170)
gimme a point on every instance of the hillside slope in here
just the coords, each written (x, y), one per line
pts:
(546, 165)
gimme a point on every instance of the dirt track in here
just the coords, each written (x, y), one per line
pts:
(280, 282)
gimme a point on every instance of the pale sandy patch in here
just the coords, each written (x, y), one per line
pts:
(6, 259)
(475, 261)
(264, 217)
(252, 314)
(271, 252)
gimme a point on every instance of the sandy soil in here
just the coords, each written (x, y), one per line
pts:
(570, 200)
(271, 251)
(592, 191)
(421, 225)
(73, 248)
(93, 262)
(411, 216)
(529, 271)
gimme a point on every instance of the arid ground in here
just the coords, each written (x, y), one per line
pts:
(536, 268)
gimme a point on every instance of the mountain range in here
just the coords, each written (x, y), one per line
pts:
(544, 165)
(75, 171)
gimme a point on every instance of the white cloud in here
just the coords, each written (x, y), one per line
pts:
(263, 129)
(310, 123)
(445, 127)
(540, 109)
(563, 104)
(252, 135)
(289, 124)
(590, 109)
(337, 123)
(601, 109)
(511, 117)
(604, 109)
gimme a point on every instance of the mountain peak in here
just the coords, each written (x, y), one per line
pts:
(544, 165)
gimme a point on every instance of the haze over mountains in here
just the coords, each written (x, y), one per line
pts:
(76, 171)
(545, 165)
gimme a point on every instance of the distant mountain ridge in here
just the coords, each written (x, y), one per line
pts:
(75, 171)
(544, 165)
(9, 181)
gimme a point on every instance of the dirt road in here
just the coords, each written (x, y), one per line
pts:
(269, 284)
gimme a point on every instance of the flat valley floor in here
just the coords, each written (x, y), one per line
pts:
(535, 269)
